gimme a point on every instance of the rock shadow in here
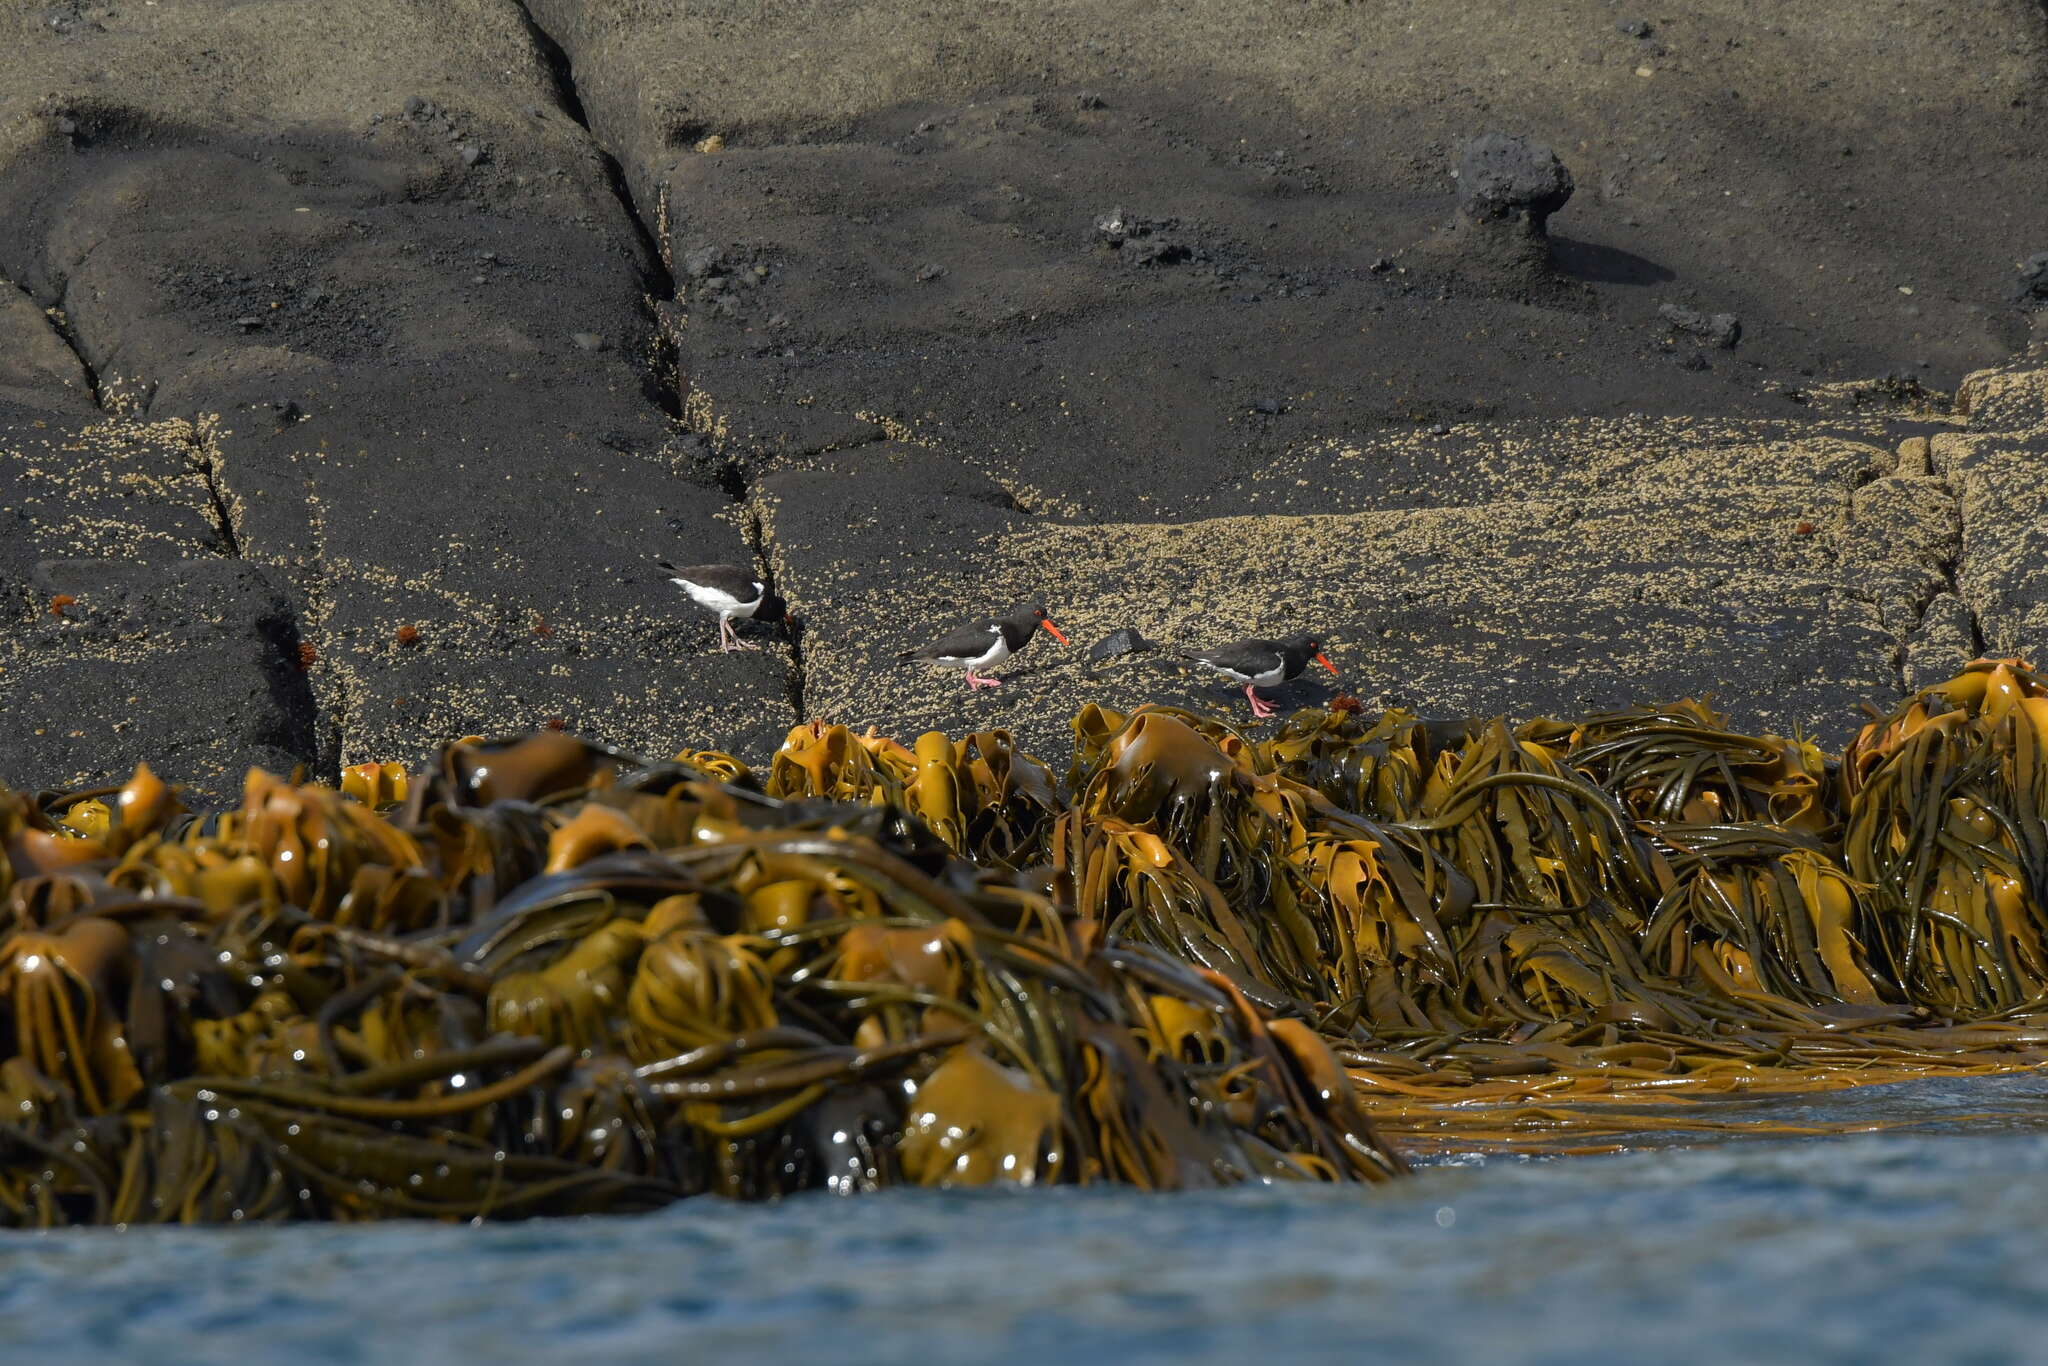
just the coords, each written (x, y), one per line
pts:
(1603, 265)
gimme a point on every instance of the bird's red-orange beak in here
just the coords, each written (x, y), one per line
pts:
(1046, 622)
(1324, 660)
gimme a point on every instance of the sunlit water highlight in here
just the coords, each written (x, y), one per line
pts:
(1918, 1243)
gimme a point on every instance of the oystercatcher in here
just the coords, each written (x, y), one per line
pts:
(729, 591)
(976, 647)
(1262, 664)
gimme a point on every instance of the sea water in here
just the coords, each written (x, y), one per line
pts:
(1924, 1241)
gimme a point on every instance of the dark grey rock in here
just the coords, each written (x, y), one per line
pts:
(1125, 641)
(1721, 329)
(1141, 241)
(701, 262)
(70, 18)
(467, 474)
(1504, 177)
(1497, 244)
(190, 665)
(1634, 28)
(2033, 286)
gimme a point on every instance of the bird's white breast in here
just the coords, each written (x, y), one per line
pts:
(1258, 680)
(996, 653)
(718, 600)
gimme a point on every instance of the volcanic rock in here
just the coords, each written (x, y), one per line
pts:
(1589, 524)
(1513, 180)
(2033, 286)
(1720, 329)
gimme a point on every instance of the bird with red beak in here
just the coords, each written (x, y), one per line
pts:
(984, 644)
(1262, 664)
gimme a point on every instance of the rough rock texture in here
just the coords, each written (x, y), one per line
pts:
(359, 360)
(33, 356)
(2032, 290)
(1782, 574)
(127, 632)
(1511, 177)
(355, 243)
(1508, 187)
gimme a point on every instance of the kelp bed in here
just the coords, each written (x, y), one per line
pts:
(550, 978)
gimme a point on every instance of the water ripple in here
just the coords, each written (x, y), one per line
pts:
(1873, 1246)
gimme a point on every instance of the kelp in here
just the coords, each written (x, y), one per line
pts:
(1949, 831)
(547, 977)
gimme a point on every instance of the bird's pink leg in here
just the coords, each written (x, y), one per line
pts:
(1260, 706)
(729, 638)
(975, 680)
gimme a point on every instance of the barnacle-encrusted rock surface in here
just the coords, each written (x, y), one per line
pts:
(327, 321)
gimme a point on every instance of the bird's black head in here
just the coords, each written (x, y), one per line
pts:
(774, 607)
(1032, 617)
(1311, 647)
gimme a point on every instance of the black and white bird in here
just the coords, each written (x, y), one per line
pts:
(1262, 664)
(984, 644)
(731, 592)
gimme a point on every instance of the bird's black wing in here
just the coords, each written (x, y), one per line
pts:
(1245, 657)
(969, 642)
(729, 579)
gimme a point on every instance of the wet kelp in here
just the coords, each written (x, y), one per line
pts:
(550, 978)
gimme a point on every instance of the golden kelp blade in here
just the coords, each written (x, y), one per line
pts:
(508, 997)
(545, 977)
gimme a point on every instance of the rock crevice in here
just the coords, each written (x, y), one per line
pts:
(665, 379)
(503, 300)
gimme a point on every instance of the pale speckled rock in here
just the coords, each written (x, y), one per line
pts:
(2000, 474)
(170, 651)
(329, 263)
(263, 216)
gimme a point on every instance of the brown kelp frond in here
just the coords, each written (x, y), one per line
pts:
(980, 796)
(1948, 824)
(1680, 763)
(1375, 769)
(547, 977)
(608, 986)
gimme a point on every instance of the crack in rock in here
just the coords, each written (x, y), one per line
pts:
(204, 456)
(665, 384)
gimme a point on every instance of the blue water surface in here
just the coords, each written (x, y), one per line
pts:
(1916, 1244)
